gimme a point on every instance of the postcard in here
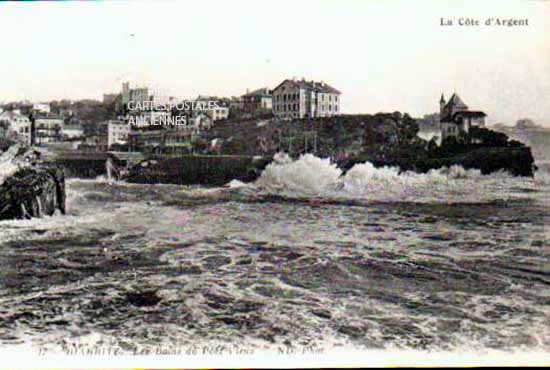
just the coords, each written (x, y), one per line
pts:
(316, 183)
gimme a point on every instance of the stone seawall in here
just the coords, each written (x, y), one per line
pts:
(213, 170)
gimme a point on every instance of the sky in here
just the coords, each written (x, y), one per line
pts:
(383, 55)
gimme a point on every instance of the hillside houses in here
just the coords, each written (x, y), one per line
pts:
(98, 125)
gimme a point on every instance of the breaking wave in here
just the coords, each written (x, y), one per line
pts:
(310, 176)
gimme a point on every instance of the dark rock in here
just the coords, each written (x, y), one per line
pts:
(143, 299)
(518, 161)
(33, 192)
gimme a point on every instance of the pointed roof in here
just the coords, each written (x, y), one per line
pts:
(442, 100)
(456, 102)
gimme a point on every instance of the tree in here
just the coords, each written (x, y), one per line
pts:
(488, 137)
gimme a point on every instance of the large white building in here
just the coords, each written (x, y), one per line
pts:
(300, 99)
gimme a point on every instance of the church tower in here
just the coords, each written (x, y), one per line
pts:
(441, 105)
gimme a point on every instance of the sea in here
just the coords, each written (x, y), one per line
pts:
(304, 257)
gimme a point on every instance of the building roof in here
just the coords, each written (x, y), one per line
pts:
(264, 92)
(311, 85)
(456, 107)
(465, 113)
(456, 102)
(470, 113)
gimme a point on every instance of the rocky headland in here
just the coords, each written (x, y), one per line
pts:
(384, 139)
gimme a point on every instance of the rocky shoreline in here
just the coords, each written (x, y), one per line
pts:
(516, 161)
